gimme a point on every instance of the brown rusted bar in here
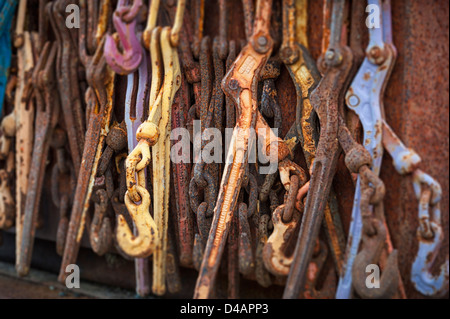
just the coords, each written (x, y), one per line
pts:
(47, 114)
(327, 100)
(102, 81)
(65, 76)
(240, 84)
(181, 173)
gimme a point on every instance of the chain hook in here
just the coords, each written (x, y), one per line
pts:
(374, 235)
(370, 254)
(274, 254)
(430, 237)
(143, 244)
(130, 58)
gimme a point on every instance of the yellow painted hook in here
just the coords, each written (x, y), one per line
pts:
(143, 244)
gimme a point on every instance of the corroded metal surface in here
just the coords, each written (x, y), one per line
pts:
(419, 84)
(416, 107)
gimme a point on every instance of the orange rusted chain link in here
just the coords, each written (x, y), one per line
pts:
(100, 99)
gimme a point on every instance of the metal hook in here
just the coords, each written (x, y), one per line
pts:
(285, 220)
(101, 230)
(129, 60)
(365, 98)
(430, 237)
(155, 133)
(370, 254)
(143, 244)
(274, 253)
(424, 282)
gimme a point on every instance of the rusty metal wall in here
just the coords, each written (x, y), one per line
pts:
(416, 106)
